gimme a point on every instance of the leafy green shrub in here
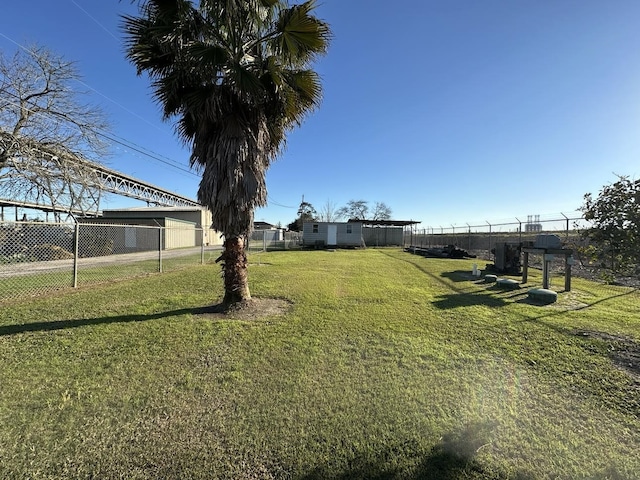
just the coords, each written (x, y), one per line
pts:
(615, 231)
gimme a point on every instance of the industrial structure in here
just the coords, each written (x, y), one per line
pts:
(87, 173)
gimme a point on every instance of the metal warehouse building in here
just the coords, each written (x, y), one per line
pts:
(182, 226)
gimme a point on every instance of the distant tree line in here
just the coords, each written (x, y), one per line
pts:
(330, 212)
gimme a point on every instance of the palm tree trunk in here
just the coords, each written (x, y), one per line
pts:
(234, 269)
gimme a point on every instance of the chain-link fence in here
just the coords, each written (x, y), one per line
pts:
(480, 240)
(40, 257)
(274, 239)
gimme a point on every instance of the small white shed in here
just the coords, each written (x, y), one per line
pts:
(355, 233)
(331, 234)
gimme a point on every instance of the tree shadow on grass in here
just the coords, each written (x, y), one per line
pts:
(492, 296)
(423, 270)
(53, 325)
(453, 458)
(462, 297)
(459, 300)
(462, 276)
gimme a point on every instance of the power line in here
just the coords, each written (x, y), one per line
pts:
(96, 21)
(121, 141)
(16, 43)
(130, 112)
(278, 204)
(130, 146)
(114, 138)
(100, 93)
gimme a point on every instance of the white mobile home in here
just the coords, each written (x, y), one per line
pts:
(331, 234)
(355, 233)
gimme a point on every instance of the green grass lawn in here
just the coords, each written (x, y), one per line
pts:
(387, 365)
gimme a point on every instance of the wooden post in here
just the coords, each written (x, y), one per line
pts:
(567, 274)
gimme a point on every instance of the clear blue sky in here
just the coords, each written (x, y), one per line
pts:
(447, 111)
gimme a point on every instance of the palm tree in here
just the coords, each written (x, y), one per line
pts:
(235, 74)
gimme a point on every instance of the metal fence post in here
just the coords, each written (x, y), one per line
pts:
(76, 254)
(202, 249)
(160, 249)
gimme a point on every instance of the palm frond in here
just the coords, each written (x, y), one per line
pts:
(234, 73)
(301, 36)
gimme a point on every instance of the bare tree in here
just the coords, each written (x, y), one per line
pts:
(328, 212)
(354, 210)
(381, 211)
(46, 131)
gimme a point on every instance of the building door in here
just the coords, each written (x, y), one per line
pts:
(332, 234)
(130, 240)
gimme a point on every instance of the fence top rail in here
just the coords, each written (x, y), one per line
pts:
(468, 226)
(89, 224)
(30, 222)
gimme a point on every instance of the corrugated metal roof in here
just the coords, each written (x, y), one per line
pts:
(385, 223)
(155, 209)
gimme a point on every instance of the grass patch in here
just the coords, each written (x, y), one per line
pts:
(25, 285)
(388, 365)
(62, 279)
